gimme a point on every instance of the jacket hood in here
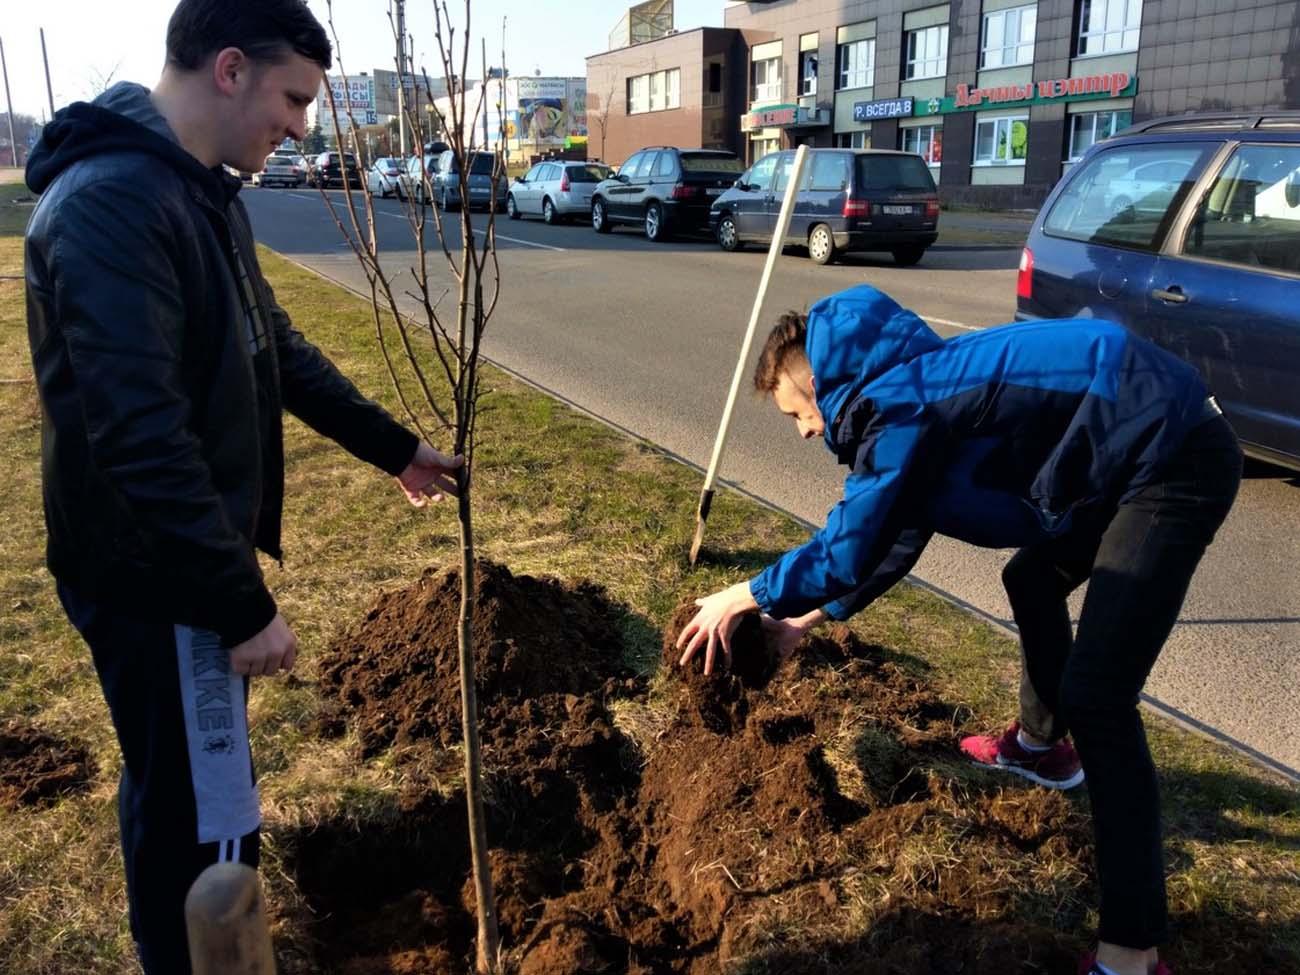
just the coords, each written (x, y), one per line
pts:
(855, 336)
(123, 119)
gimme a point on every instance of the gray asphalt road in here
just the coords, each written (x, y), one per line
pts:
(645, 336)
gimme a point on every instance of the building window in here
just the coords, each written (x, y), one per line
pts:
(767, 80)
(1008, 37)
(715, 78)
(927, 53)
(808, 73)
(854, 140)
(654, 92)
(924, 140)
(1109, 26)
(1092, 127)
(1001, 141)
(857, 64)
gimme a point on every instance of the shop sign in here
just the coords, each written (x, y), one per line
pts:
(781, 116)
(971, 98)
(886, 108)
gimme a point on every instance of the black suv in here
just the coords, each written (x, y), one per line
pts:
(665, 190)
(329, 170)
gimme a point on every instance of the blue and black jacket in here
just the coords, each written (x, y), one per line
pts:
(1001, 438)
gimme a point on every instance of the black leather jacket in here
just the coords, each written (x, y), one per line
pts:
(162, 374)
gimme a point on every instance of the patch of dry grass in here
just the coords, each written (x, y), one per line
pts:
(560, 494)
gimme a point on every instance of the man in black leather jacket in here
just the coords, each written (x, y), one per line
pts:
(163, 364)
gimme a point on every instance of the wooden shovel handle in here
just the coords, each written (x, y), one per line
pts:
(225, 915)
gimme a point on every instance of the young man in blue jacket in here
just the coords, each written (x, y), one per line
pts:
(1096, 454)
(164, 364)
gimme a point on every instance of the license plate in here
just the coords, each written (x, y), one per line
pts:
(714, 191)
(897, 211)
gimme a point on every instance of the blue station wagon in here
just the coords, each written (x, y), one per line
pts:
(1187, 231)
(851, 200)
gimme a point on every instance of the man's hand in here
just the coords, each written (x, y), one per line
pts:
(784, 635)
(713, 625)
(429, 476)
(267, 652)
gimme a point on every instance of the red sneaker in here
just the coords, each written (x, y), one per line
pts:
(1087, 966)
(1056, 768)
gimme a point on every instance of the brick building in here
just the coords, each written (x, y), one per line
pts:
(999, 96)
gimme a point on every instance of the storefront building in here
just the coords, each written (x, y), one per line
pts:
(999, 96)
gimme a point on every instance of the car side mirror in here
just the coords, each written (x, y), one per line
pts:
(520, 179)
(623, 178)
(741, 185)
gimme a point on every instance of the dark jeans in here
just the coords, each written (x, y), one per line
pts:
(1138, 567)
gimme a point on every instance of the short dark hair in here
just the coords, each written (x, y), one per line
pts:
(265, 30)
(784, 344)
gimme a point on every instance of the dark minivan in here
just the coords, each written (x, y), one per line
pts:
(1187, 231)
(664, 189)
(851, 200)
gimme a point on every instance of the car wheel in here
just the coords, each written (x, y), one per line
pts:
(908, 256)
(600, 218)
(654, 223)
(821, 244)
(548, 212)
(728, 236)
(512, 208)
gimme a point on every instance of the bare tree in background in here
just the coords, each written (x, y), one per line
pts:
(98, 81)
(602, 118)
(440, 344)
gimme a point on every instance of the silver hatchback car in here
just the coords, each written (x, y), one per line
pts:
(555, 190)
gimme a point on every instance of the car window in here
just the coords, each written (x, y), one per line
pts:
(894, 172)
(647, 165)
(1251, 213)
(760, 177)
(710, 162)
(828, 172)
(630, 166)
(482, 164)
(666, 165)
(783, 166)
(587, 174)
(552, 173)
(447, 162)
(534, 175)
(1110, 200)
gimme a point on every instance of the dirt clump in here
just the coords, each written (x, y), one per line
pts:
(37, 768)
(777, 800)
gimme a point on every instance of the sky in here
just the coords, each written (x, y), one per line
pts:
(88, 40)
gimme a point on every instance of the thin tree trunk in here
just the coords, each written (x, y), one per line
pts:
(488, 938)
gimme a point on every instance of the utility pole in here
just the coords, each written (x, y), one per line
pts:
(401, 74)
(9, 104)
(49, 90)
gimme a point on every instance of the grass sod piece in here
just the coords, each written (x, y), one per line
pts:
(558, 494)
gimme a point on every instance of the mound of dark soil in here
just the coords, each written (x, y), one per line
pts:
(396, 672)
(37, 768)
(760, 807)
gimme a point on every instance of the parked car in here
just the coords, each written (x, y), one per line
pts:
(664, 190)
(1211, 273)
(330, 169)
(281, 169)
(556, 190)
(482, 165)
(411, 186)
(383, 178)
(850, 200)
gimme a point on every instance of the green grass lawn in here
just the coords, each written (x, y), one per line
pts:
(557, 493)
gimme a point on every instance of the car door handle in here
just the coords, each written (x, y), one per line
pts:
(1173, 295)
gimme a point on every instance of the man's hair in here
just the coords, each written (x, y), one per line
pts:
(265, 30)
(783, 349)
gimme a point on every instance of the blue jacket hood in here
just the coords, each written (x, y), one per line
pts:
(855, 336)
